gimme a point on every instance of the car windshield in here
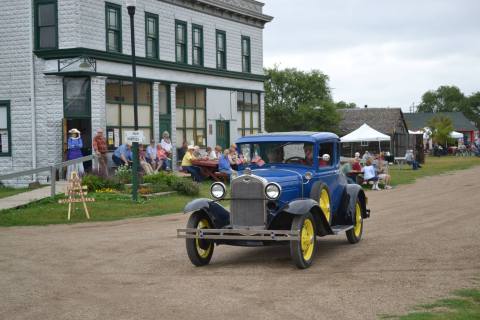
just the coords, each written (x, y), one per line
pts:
(268, 153)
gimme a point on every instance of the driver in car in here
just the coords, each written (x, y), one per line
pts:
(308, 149)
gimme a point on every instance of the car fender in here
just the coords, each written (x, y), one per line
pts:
(352, 192)
(303, 206)
(218, 215)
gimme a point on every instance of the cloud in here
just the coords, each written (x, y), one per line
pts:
(380, 53)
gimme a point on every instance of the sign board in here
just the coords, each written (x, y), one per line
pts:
(135, 136)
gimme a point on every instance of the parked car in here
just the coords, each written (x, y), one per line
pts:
(289, 190)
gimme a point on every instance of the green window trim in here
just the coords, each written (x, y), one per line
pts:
(6, 104)
(196, 109)
(221, 52)
(120, 103)
(246, 55)
(151, 35)
(197, 46)
(244, 110)
(181, 56)
(116, 29)
(37, 28)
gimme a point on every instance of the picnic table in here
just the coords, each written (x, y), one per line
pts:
(207, 168)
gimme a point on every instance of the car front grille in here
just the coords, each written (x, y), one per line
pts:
(248, 202)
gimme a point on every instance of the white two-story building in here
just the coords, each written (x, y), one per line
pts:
(67, 64)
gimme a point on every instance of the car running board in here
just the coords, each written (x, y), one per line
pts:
(340, 228)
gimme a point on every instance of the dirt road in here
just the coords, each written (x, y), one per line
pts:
(421, 242)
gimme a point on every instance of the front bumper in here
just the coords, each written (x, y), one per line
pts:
(239, 234)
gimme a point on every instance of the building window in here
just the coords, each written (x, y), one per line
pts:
(197, 45)
(221, 50)
(113, 19)
(151, 35)
(119, 110)
(76, 97)
(46, 24)
(191, 116)
(181, 41)
(5, 136)
(248, 108)
(246, 54)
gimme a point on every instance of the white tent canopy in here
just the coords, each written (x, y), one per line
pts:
(456, 135)
(364, 133)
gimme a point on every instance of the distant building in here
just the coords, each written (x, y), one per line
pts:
(418, 121)
(66, 64)
(389, 121)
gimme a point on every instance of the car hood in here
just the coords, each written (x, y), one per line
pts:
(289, 180)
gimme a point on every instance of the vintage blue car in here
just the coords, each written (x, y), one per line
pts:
(289, 190)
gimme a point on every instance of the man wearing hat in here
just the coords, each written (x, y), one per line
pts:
(187, 164)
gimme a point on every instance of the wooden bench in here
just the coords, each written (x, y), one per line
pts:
(222, 176)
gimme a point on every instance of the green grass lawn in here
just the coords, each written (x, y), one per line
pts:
(7, 191)
(118, 206)
(464, 305)
(433, 166)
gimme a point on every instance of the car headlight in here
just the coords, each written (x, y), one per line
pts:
(273, 191)
(218, 190)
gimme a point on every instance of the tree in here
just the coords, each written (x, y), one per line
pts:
(444, 99)
(345, 105)
(441, 127)
(296, 100)
(472, 111)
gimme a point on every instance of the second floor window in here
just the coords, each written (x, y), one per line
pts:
(221, 50)
(46, 24)
(151, 35)
(197, 45)
(114, 27)
(181, 41)
(246, 54)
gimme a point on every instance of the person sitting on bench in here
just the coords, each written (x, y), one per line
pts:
(224, 163)
(187, 164)
(369, 174)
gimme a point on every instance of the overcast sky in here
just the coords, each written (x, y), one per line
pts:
(383, 53)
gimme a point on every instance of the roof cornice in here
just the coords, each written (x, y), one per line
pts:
(225, 11)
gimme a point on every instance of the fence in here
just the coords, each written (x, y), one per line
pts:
(52, 169)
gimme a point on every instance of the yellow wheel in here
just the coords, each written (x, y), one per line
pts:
(324, 203)
(199, 250)
(355, 234)
(303, 251)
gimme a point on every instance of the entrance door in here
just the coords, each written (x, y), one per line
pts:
(84, 125)
(223, 133)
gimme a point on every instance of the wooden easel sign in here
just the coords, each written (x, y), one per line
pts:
(76, 194)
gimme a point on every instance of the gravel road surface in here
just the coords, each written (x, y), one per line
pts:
(421, 242)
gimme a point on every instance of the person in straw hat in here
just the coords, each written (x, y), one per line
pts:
(74, 151)
(189, 167)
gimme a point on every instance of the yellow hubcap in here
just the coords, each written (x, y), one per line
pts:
(325, 203)
(203, 253)
(307, 237)
(357, 229)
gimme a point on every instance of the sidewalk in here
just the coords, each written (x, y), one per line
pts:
(30, 196)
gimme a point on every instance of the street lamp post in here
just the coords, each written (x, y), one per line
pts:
(131, 5)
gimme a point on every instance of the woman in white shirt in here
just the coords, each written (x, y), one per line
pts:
(166, 143)
(369, 174)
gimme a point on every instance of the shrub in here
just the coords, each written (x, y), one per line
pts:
(124, 174)
(165, 181)
(95, 183)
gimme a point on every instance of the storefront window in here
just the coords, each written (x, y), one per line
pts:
(120, 111)
(248, 108)
(190, 116)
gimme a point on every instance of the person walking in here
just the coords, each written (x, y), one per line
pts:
(74, 151)
(100, 148)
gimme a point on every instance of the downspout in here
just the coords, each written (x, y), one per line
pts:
(32, 95)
